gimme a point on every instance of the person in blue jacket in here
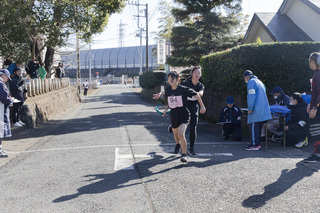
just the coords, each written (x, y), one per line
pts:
(258, 108)
(231, 114)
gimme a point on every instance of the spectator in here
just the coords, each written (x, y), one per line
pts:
(85, 87)
(12, 66)
(60, 71)
(17, 91)
(279, 98)
(32, 68)
(42, 72)
(5, 101)
(231, 113)
(258, 108)
(297, 128)
(312, 109)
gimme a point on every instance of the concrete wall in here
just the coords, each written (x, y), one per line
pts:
(39, 109)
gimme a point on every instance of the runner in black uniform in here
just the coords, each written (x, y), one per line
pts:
(193, 105)
(177, 101)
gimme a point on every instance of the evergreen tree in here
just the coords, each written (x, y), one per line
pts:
(204, 26)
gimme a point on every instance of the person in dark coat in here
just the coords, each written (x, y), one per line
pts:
(279, 97)
(32, 68)
(5, 101)
(16, 89)
(232, 115)
(60, 71)
(298, 126)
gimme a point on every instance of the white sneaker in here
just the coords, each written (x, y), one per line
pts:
(20, 122)
(3, 154)
(17, 124)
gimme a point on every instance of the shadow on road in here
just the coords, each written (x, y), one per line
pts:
(286, 180)
(102, 183)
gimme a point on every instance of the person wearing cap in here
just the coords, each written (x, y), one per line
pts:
(298, 126)
(17, 91)
(258, 108)
(232, 115)
(279, 98)
(5, 101)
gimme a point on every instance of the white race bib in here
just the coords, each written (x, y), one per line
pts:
(175, 101)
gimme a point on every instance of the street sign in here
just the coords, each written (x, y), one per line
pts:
(161, 51)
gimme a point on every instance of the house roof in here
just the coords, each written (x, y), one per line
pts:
(279, 27)
(283, 28)
(312, 4)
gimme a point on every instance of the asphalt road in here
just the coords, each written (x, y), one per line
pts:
(113, 153)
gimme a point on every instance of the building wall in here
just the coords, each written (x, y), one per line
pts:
(264, 36)
(305, 18)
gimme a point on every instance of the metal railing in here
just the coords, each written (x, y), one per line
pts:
(41, 86)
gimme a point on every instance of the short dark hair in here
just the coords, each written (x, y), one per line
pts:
(15, 70)
(174, 74)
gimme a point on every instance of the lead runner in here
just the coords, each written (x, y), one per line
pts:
(178, 102)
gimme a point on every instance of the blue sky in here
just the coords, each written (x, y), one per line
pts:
(110, 37)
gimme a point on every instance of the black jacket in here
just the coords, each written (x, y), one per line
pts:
(16, 88)
(232, 114)
(299, 117)
(32, 69)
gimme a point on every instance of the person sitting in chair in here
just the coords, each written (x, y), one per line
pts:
(231, 114)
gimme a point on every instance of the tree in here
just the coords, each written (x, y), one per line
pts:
(36, 25)
(166, 21)
(204, 26)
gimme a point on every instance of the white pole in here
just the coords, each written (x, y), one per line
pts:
(89, 63)
(140, 50)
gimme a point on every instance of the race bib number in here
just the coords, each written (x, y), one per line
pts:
(175, 101)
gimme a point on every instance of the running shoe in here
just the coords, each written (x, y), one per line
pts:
(3, 154)
(302, 143)
(192, 152)
(170, 128)
(184, 158)
(20, 122)
(17, 124)
(253, 148)
(312, 159)
(177, 149)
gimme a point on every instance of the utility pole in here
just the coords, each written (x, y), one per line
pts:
(147, 38)
(140, 33)
(140, 73)
(90, 63)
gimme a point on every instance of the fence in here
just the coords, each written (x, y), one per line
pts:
(42, 86)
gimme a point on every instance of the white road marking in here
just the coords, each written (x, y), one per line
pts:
(214, 154)
(126, 161)
(123, 162)
(117, 145)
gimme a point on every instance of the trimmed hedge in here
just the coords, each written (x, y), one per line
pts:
(275, 64)
(151, 79)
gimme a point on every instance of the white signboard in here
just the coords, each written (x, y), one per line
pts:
(161, 51)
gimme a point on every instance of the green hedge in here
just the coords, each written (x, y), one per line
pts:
(276, 64)
(151, 79)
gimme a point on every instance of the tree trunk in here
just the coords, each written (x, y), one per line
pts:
(49, 60)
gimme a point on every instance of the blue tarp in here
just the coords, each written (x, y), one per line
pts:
(282, 111)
